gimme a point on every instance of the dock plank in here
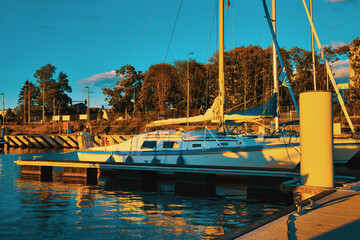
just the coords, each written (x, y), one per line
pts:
(336, 216)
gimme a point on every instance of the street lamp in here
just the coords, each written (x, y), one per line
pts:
(188, 92)
(24, 120)
(29, 102)
(43, 106)
(3, 114)
(88, 106)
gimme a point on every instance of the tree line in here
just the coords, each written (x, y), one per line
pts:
(163, 87)
(248, 80)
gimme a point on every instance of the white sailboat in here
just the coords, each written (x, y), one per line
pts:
(205, 148)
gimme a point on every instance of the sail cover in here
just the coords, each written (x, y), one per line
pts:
(268, 109)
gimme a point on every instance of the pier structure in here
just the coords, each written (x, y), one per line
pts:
(332, 214)
(189, 180)
(268, 185)
(59, 141)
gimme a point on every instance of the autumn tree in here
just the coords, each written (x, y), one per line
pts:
(352, 51)
(161, 88)
(247, 77)
(126, 94)
(198, 81)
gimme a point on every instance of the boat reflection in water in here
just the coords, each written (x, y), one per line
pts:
(67, 208)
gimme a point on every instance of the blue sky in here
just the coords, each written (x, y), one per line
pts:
(89, 39)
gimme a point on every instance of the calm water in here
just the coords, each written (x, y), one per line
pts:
(70, 209)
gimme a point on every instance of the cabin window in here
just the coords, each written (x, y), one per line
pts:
(148, 145)
(196, 145)
(223, 144)
(170, 144)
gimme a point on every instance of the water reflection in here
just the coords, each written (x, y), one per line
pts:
(67, 207)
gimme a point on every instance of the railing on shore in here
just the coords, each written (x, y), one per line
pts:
(58, 141)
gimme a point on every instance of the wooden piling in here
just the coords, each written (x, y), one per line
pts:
(91, 174)
(45, 172)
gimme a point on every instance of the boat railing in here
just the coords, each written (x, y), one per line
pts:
(207, 129)
(355, 134)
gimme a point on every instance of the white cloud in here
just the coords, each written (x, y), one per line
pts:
(337, 1)
(106, 79)
(341, 63)
(341, 68)
(336, 44)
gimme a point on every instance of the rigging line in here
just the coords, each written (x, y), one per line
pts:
(322, 28)
(172, 34)
(210, 32)
(250, 100)
(231, 24)
(207, 51)
(142, 36)
(217, 27)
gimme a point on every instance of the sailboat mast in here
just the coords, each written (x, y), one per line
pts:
(221, 60)
(329, 73)
(274, 58)
(312, 44)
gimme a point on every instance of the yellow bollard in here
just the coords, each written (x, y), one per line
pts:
(316, 139)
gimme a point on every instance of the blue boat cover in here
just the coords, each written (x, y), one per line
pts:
(268, 109)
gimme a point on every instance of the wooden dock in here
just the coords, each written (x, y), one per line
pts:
(335, 215)
(262, 184)
(160, 167)
(189, 180)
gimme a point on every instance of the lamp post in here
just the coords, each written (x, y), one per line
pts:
(134, 101)
(29, 103)
(188, 92)
(3, 115)
(88, 106)
(24, 117)
(43, 106)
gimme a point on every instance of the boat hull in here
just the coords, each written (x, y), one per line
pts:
(344, 148)
(343, 152)
(284, 156)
